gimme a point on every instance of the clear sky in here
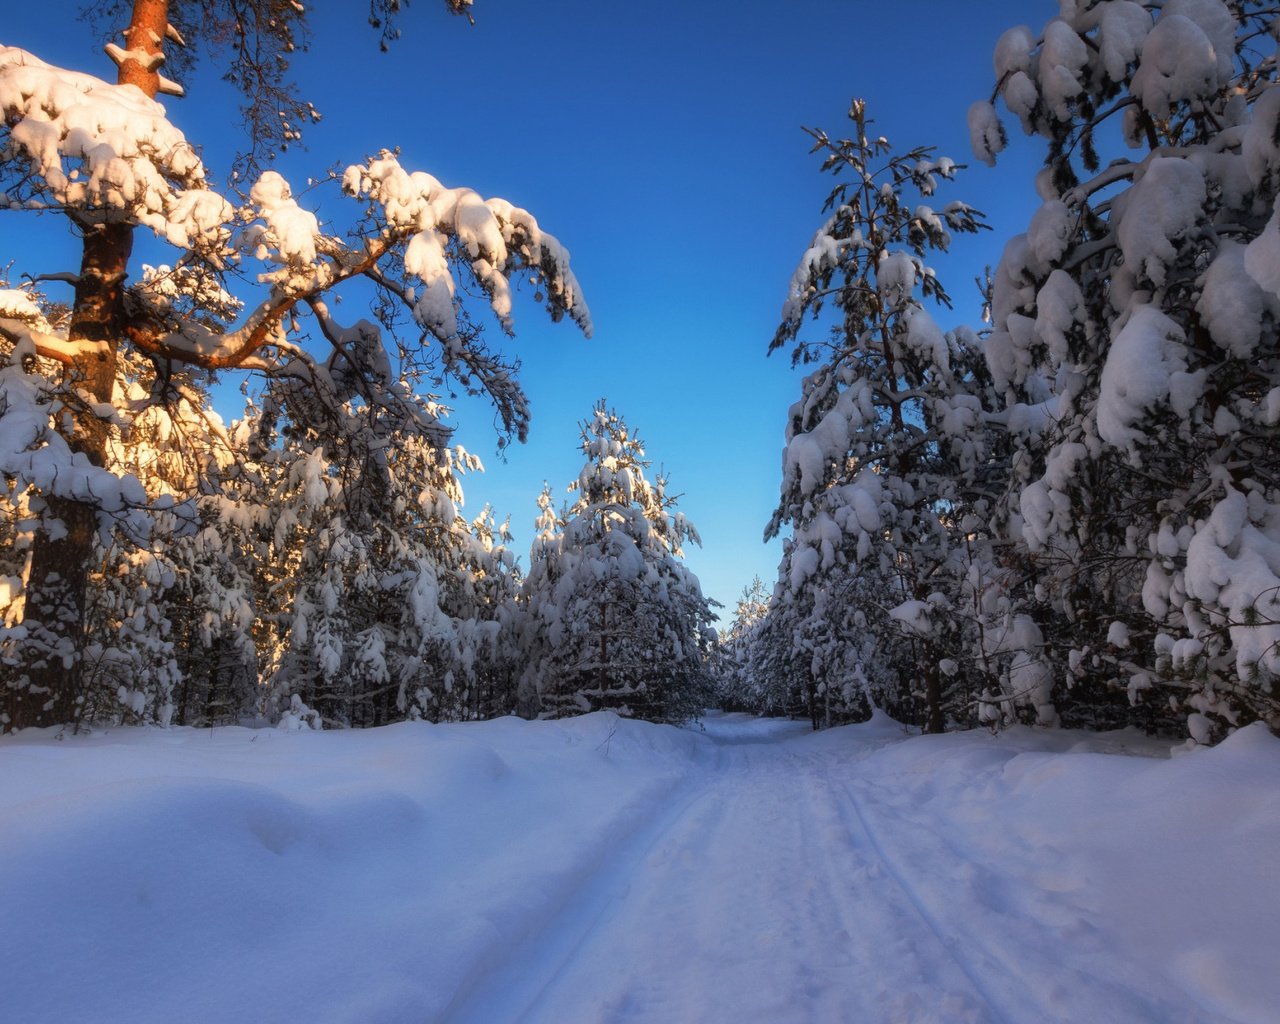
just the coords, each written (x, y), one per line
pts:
(661, 143)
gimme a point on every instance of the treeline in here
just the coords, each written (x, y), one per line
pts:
(320, 587)
(1072, 515)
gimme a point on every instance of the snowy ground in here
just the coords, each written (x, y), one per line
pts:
(597, 870)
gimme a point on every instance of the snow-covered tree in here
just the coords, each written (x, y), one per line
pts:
(148, 611)
(615, 618)
(1135, 347)
(887, 450)
(106, 158)
(740, 688)
(387, 603)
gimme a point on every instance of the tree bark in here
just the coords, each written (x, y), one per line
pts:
(49, 684)
(57, 586)
(935, 720)
(603, 675)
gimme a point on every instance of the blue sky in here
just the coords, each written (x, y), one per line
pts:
(662, 143)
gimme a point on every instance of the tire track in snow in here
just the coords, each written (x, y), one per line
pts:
(843, 796)
(796, 918)
(1045, 975)
(761, 888)
(511, 990)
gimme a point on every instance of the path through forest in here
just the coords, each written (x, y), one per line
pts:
(786, 883)
(604, 871)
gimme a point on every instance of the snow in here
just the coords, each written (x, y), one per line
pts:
(1013, 51)
(986, 135)
(496, 237)
(1030, 680)
(600, 869)
(1144, 356)
(896, 277)
(913, 616)
(1233, 563)
(1123, 27)
(806, 460)
(1261, 146)
(290, 230)
(1063, 57)
(32, 452)
(1021, 96)
(18, 305)
(925, 339)
(1232, 304)
(1216, 21)
(1060, 309)
(1164, 204)
(1262, 255)
(93, 143)
(1051, 230)
(1178, 63)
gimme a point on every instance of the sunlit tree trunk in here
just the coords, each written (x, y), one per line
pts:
(56, 592)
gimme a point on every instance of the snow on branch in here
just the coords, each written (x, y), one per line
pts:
(493, 238)
(415, 233)
(36, 455)
(89, 146)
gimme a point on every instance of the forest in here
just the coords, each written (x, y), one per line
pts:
(1065, 514)
(291, 730)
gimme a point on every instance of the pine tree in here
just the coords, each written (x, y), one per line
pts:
(741, 687)
(107, 156)
(1135, 349)
(615, 618)
(883, 474)
(388, 603)
(149, 611)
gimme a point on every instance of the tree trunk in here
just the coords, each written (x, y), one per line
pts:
(935, 721)
(603, 675)
(49, 688)
(57, 586)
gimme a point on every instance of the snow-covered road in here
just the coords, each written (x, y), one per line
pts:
(599, 871)
(785, 885)
(755, 894)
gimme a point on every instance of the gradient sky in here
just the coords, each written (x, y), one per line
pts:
(661, 142)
